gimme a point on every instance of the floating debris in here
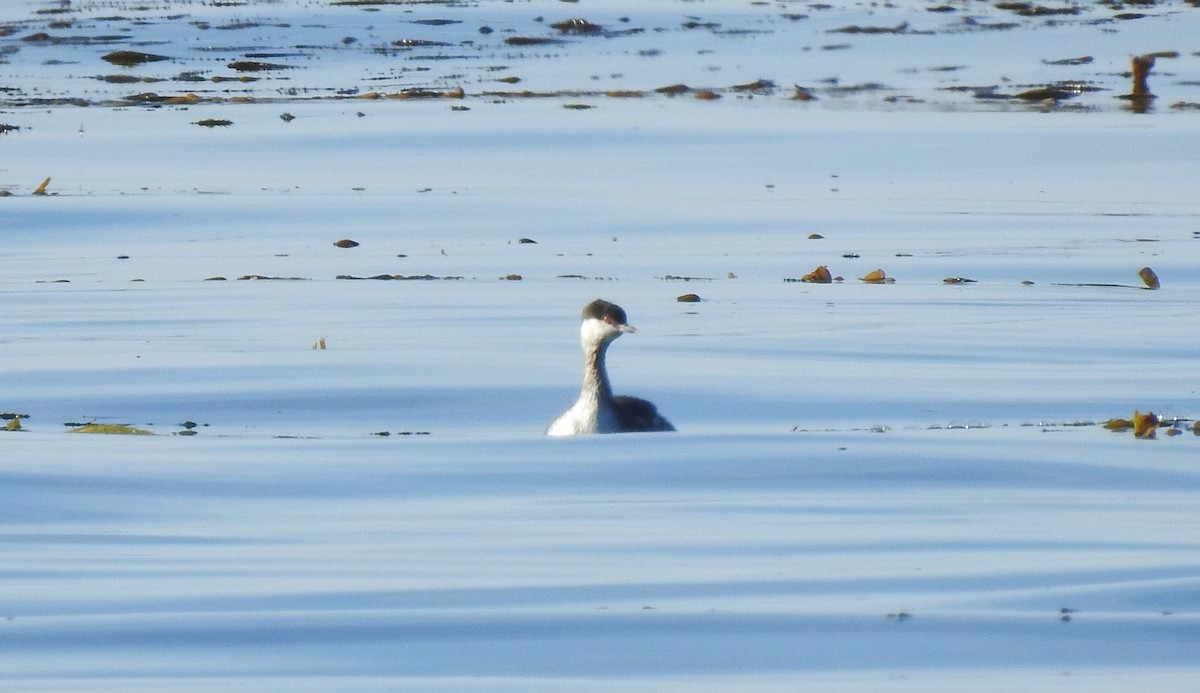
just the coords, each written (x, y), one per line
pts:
(418, 43)
(530, 41)
(958, 280)
(346, 243)
(760, 85)
(213, 123)
(131, 58)
(261, 277)
(1149, 277)
(1144, 425)
(900, 28)
(673, 89)
(41, 189)
(577, 26)
(526, 241)
(677, 278)
(800, 93)
(1139, 95)
(110, 429)
(877, 277)
(1082, 60)
(255, 66)
(1118, 425)
(319, 345)
(820, 275)
(688, 298)
(1027, 9)
(399, 277)
(512, 277)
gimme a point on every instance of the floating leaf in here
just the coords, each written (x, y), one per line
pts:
(1149, 277)
(346, 243)
(14, 424)
(41, 189)
(688, 298)
(877, 277)
(1118, 424)
(958, 280)
(1144, 425)
(820, 275)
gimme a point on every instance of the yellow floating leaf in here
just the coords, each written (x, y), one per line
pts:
(820, 275)
(1149, 277)
(112, 429)
(1118, 424)
(1196, 428)
(188, 98)
(1144, 425)
(877, 277)
(14, 424)
(41, 189)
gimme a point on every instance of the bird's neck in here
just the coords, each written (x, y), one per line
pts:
(595, 375)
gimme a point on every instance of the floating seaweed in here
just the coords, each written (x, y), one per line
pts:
(256, 66)
(131, 58)
(530, 41)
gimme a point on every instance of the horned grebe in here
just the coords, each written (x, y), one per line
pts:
(597, 410)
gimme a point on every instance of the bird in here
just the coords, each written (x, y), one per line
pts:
(597, 409)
